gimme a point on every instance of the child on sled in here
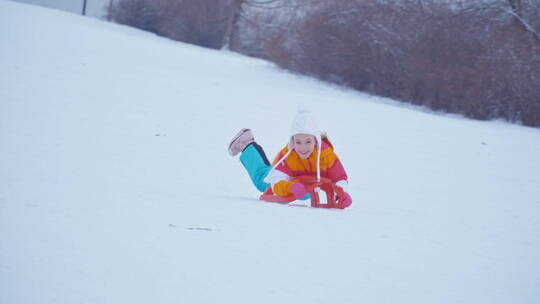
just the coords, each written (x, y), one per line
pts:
(309, 152)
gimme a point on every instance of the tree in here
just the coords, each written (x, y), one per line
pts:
(142, 14)
(238, 11)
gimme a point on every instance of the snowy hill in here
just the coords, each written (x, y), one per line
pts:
(94, 8)
(116, 186)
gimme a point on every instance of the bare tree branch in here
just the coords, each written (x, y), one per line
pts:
(517, 16)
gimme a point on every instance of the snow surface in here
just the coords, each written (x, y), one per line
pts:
(116, 185)
(94, 8)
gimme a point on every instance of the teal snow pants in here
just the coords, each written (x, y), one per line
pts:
(256, 164)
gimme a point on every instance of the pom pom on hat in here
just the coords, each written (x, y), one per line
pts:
(303, 109)
(304, 123)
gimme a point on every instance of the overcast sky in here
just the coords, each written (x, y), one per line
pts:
(94, 8)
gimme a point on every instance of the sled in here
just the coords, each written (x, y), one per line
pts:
(332, 191)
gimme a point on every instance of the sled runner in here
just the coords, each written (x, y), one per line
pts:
(334, 194)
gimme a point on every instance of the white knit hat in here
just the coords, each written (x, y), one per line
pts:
(304, 123)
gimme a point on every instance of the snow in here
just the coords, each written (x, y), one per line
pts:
(94, 8)
(116, 185)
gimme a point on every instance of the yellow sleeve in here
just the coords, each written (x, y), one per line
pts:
(282, 188)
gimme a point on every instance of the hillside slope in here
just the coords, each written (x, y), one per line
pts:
(116, 186)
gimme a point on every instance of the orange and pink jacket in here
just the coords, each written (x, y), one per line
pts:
(294, 166)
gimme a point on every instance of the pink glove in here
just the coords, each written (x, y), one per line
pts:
(298, 190)
(347, 201)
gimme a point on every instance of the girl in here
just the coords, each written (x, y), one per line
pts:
(309, 152)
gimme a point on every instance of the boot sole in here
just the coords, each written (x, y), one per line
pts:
(236, 137)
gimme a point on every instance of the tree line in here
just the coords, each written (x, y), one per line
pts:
(477, 58)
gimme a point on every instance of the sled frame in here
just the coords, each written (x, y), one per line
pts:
(334, 193)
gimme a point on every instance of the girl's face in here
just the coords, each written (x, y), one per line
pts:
(304, 144)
